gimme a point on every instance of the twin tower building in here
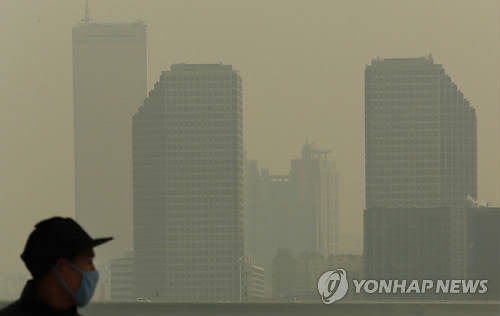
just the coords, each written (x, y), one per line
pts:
(164, 170)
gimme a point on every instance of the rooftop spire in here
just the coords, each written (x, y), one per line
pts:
(86, 18)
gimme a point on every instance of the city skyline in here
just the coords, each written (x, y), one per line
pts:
(263, 114)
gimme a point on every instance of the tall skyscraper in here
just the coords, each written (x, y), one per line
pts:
(420, 136)
(420, 145)
(315, 190)
(188, 186)
(109, 84)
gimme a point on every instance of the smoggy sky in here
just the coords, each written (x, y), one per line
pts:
(302, 66)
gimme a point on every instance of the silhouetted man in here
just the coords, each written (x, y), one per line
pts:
(59, 255)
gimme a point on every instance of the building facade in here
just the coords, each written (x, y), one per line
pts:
(295, 276)
(269, 200)
(284, 269)
(408, 243)
(122, 278)
(420, 136)
(253, 280)
(188, 185)
(109, 84)
(420, 146)
(483, 248)
(315, 191)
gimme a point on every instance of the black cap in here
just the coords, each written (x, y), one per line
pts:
(55, 238)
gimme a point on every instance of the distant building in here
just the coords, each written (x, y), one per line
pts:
(352, 263)
(295, 277)
(252, 193)
(122, 278)
(254, 287)
(284, 269)
(310, 266)
(314, 217)
(420, 152)
(298, 211)
(109, 84)
(269, 201)
(354, 267)
(188, 185)
(483, 249)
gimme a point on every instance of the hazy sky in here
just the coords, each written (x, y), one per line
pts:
(302, 66)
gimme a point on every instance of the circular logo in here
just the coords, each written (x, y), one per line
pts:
(333, 285)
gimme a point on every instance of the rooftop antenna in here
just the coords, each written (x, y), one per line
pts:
(86, 18)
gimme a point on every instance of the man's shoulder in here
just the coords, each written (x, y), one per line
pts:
(13, 309)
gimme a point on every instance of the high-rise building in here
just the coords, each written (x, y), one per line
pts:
(269, 203)
(188, 186)
(314, 180)
(420, 136)
(109, 84)
(298, 211)
(420, 146)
